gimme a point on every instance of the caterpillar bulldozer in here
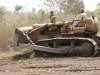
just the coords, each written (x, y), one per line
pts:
(58, 39)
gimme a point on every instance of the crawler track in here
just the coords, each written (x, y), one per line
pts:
(67, 46)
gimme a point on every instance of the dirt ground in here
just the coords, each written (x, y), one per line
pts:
(48, 65)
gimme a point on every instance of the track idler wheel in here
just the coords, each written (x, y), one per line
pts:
(86, 49)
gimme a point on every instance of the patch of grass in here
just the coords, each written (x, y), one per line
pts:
(23, 56)
(26, 62)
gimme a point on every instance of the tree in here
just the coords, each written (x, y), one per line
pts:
(68, 6)
(74, 6)
(2, 10)
(33, 11)
(41, 15)
(2, 13)
(18, 7)
(98, 4)
(91, 13)
(97, 11)
(54, 5)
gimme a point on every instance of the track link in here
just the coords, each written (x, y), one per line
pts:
(69, 46)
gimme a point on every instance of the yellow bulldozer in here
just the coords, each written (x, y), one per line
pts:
(58, 39)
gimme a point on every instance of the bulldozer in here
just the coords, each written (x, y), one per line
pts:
(57, 39)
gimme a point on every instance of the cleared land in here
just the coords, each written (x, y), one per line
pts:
(11, 63)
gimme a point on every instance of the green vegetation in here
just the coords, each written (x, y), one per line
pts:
(64, 10)
(26, 62)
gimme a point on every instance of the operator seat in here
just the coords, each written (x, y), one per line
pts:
(80, 28)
